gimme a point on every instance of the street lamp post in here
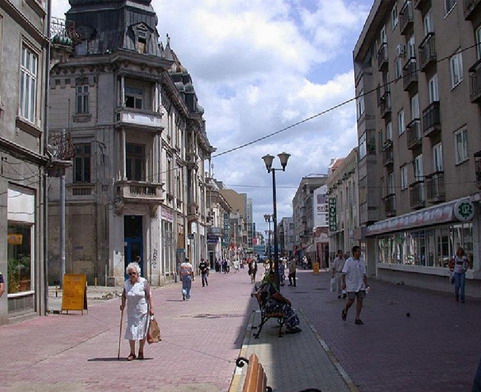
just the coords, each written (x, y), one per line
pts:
(268, 218)
(268, 160)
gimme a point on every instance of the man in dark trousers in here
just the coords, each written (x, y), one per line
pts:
(204, 271)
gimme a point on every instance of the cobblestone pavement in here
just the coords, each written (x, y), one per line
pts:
(436, 348)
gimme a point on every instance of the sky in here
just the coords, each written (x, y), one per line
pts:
(272, 70)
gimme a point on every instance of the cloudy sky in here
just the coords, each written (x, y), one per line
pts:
(259, 68)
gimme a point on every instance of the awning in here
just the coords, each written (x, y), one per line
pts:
(461, 210)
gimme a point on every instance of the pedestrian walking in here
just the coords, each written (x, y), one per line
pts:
(459, 265)
(252, 269)
(354, 281)
(292, 272)
(2, 285)
(137, 296)
(204, 272)
(186, 272)
(337, 266)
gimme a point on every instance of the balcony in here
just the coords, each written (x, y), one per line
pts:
(427, 52)
(475, 82)
(471, 8)
(410, 74)
(388, 153)
(435, 187)
(432, 119)
(416, 195)
(390, 205)
(382, 57)
(406, 17)
(477, 168)
(414, 134)
(385, 105)
(192, 211)
(421, 4)
(139, 191)
(142, 119)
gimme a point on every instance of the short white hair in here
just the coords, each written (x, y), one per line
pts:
(133, 266)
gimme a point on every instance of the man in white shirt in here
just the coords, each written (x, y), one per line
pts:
(186, 272)
(354, 282)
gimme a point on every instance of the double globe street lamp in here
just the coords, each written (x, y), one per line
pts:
(268, 160)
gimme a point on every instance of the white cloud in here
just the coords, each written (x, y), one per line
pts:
(254, 67)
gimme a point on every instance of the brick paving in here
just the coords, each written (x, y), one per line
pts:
(437, 348)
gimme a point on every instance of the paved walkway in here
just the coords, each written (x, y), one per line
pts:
(436, 348)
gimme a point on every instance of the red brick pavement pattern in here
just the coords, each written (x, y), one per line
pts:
(201, 339)
(436, 348)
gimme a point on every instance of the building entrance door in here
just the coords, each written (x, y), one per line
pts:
(133, 240)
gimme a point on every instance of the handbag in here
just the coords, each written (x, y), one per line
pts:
(153, 334)
(333, 285)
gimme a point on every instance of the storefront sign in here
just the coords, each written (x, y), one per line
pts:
(332, 214)
(464, 210)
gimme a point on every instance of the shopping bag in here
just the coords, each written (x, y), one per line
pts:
(153, 334)
(333, 285)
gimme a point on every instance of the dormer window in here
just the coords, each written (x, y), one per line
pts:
(141, 36)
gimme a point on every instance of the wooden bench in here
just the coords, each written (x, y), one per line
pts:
(256, 378)
(266, 316)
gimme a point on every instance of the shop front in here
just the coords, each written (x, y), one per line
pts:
(415, 248)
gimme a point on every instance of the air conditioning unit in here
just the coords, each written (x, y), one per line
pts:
(400, 50)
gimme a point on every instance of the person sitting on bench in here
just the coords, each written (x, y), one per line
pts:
(273, 301)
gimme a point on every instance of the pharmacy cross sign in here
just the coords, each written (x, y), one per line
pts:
(464, 210)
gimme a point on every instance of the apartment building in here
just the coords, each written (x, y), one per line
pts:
(343, 217)
(23, 157)
(303, 215)
(417, 82)
(137, 186)
(286, 236)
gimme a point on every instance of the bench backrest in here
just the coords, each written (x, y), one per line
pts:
(256, 379)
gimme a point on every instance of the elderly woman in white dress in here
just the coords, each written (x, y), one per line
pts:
(136, 294)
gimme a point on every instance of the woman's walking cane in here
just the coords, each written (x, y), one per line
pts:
(120, 333)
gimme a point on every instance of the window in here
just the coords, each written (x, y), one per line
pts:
(19, 257)
(135, 164)
(415, 107)
(438, 157)
(362, 146)
(404, 177)
(456, 68)
(360, 104)
(478, 43)
(81, 163)
(433, 89)
(389, 131)
(134, 97)
(390, 184)
(428, 23)
(28, 84)
(82, 99)
(411, 47)
(449, 4)
(383, 36)
(461, 146)
(418, 168)
(398, 67)
(394, 17)
(400, 122)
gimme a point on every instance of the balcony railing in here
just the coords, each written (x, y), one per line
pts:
(406, 17)
(416, 195)
(410, 74)
(414, 134)
(432, 119)
(470, 7)
(388, 153)
(427, 52)
(382, 56)
(139, 191)
(390, 204)
(435, 187)
(385, 104)
(475, 82)
(139, 118)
